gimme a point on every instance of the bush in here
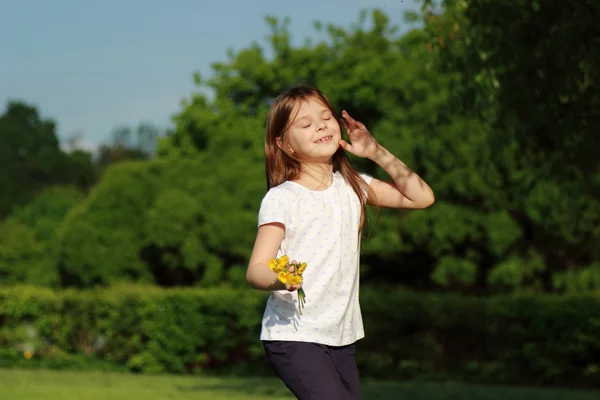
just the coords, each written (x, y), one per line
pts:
(517, 339)
(524, 339)
(157, 222)
(146, 329)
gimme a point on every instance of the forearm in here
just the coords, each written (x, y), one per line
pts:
(408, 182)
(260, 277)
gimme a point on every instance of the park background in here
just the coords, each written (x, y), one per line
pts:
(123, 250)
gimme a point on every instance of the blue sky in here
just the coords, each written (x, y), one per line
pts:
(94, 65)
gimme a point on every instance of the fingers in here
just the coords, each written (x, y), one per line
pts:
(292, 266)
(347, 116)
(292, 288)
(350, 123)
(346, 120)
(345, 145)
(345, 124)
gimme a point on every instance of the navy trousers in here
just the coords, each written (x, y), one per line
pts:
(314, 371)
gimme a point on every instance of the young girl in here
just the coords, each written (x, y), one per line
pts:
(314, 212)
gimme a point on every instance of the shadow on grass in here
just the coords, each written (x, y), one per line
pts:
(268, 388)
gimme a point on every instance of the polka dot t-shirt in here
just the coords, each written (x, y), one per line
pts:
(321, 229)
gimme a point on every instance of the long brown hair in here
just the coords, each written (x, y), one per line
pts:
(281, 167)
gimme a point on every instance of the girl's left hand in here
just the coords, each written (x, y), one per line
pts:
(363, 144)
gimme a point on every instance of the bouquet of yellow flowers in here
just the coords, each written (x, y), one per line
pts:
(281, 267)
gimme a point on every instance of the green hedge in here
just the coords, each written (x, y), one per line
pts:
(146, 329)
(525, 339)
(519, 339)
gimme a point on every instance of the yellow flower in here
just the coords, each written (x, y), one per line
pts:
(277, 265)
(281, 267)
(283, 261)
(302, 268)
(283, 276)
(295, 279)
(28, 354)
(273, 264)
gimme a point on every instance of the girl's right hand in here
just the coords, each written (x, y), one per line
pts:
(288, 286)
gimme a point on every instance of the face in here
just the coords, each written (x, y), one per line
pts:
(314, 134)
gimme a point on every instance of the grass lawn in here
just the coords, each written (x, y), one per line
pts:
(62, 385)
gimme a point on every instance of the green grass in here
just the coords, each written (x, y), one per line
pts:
(67, 385)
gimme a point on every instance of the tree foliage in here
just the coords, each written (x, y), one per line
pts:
(28, 242)
(31, 158)
(528, 69)
(479, 97)
(169, 221)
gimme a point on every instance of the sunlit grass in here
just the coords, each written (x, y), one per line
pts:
(67, 385)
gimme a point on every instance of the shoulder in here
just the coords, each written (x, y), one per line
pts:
(278, 205)
(284, 192)
(284, 196)
(364, 176)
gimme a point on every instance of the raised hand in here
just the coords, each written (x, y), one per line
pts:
(362, 143)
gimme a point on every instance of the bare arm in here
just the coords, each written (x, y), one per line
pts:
(259, 275)
(408, 189)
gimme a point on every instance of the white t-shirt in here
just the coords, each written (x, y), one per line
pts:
(321, 229)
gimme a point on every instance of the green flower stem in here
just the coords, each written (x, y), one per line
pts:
(301, 300)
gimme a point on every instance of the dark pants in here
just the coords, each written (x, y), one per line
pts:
(315, 372)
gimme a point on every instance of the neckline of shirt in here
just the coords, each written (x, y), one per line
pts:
(336, 175)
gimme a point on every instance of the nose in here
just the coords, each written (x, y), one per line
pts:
(322, 125)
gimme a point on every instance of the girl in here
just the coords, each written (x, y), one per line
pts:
(314, 212)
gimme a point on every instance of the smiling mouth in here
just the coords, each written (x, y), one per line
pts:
(325, 139)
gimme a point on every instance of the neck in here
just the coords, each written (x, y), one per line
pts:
(320, 173)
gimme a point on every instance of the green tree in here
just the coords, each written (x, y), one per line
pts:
(498, 207)
(500, 220)
(529, 71)
(31, 158)
(28, 245)
(170, 221)
(390, 83)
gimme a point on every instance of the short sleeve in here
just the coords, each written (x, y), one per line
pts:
(272, 209)
(368, 178)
